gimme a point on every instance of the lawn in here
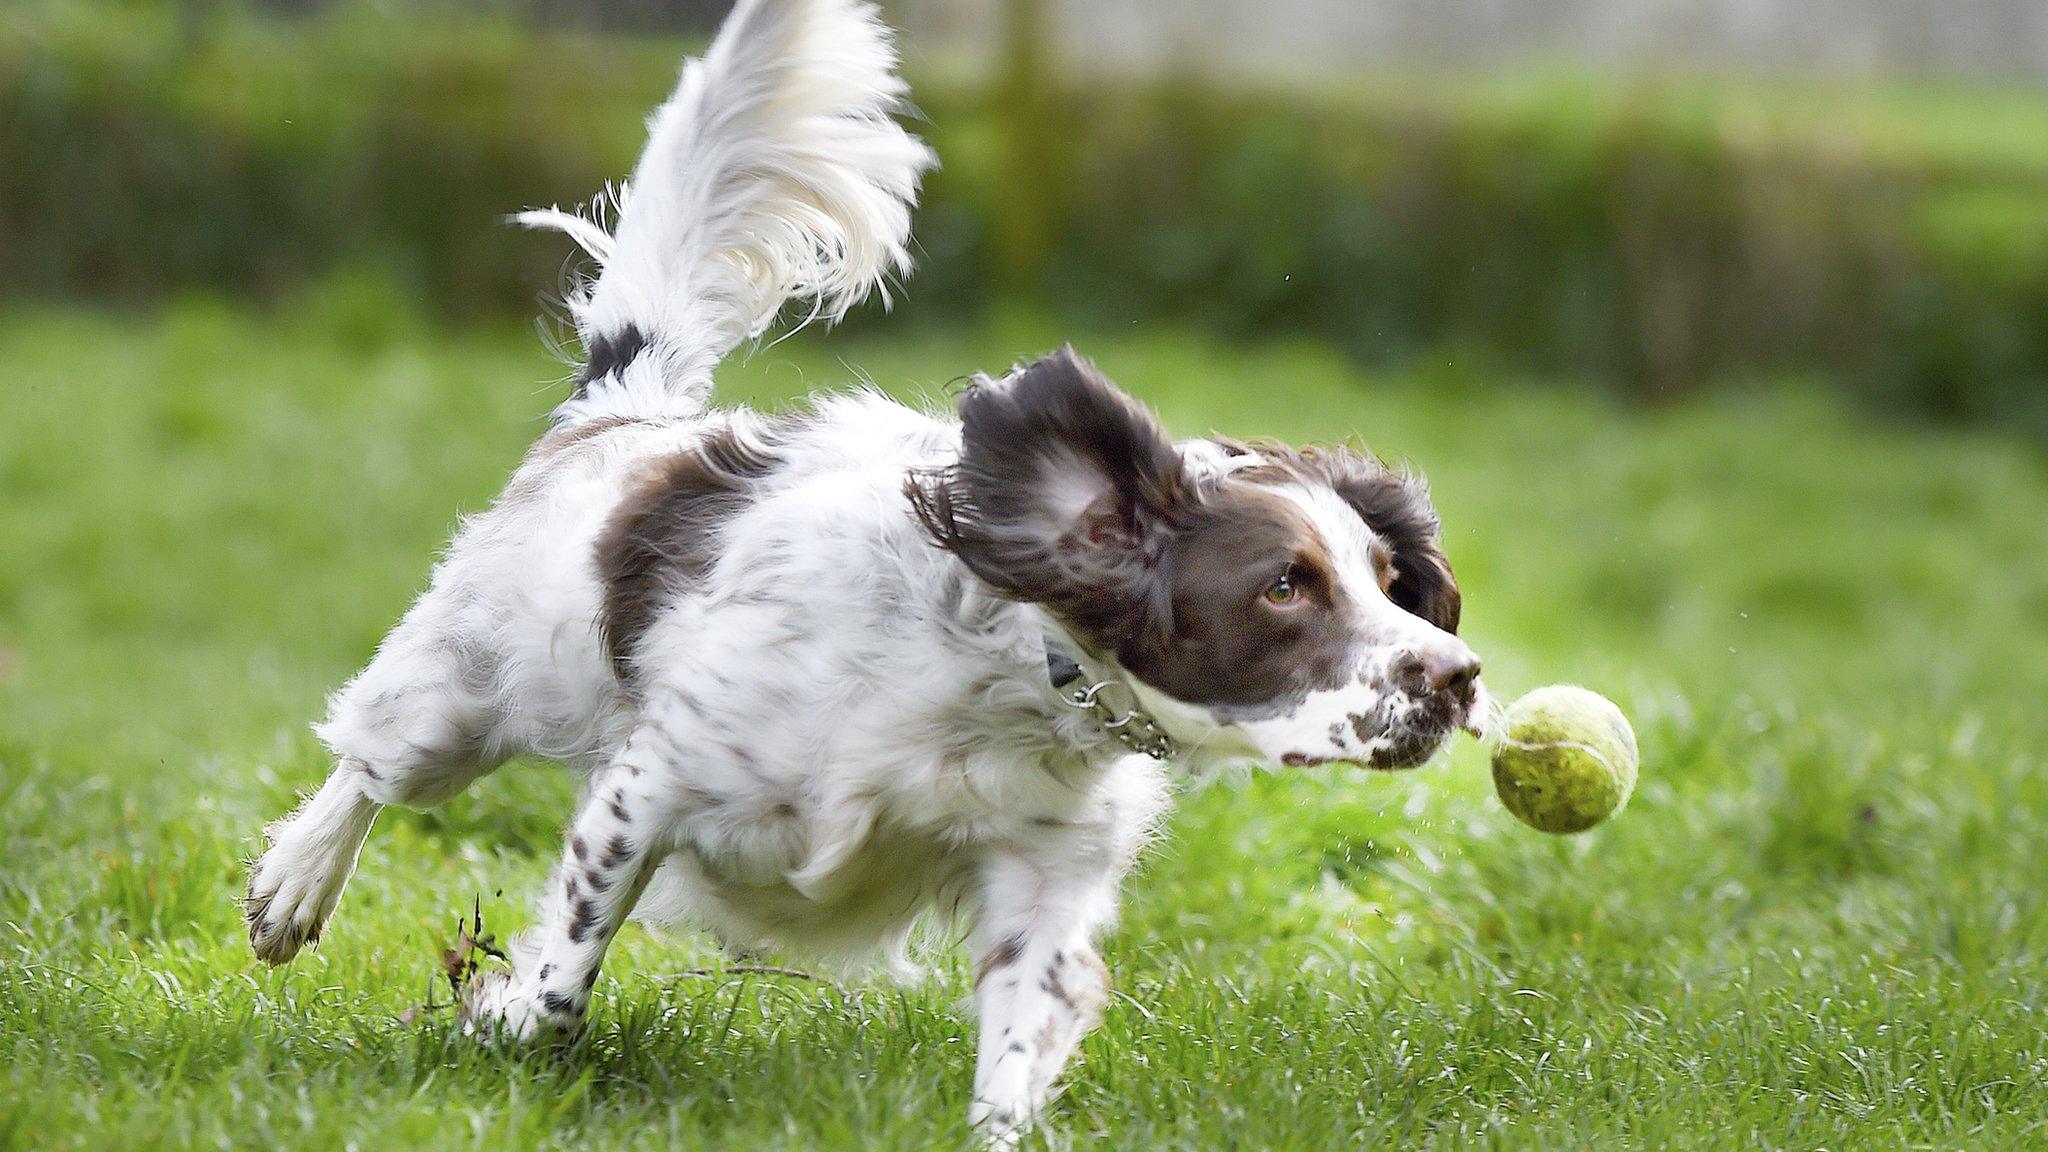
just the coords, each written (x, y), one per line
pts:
(1821, 924)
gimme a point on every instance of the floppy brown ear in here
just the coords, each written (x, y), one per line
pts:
(1065, 494)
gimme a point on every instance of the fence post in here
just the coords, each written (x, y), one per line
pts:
(1023, 223)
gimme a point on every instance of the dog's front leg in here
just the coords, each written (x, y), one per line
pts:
(617, 838)
(1039, 985)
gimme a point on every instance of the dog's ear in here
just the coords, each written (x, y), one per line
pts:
(1066, 494)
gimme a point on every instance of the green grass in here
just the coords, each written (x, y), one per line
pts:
(1821, 923)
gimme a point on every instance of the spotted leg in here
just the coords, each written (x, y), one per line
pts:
(1039, 985)
(617, 838)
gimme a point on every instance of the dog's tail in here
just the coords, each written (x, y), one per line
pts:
(775, 172)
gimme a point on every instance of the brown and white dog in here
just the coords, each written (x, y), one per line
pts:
(823, 673)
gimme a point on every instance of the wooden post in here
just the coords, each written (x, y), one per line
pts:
(1023, 223)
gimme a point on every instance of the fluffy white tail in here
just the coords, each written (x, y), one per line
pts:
(775, 172)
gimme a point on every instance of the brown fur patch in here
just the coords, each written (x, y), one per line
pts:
(663, 537)
(609, 353)
(1221, 642)
(1002, 955)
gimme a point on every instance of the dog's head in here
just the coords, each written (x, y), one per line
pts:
(1298, 598)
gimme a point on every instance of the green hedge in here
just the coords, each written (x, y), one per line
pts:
(1653, 237)
(1603, 232)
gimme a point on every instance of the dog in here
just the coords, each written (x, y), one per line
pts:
(824, 672)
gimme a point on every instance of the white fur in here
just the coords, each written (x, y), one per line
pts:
(837, 729)
(299, 880)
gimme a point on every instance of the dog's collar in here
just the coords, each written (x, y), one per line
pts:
(1110, 701)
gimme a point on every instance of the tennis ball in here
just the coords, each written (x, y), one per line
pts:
(1568, 759)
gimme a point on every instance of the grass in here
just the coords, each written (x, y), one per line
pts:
(1821, 923)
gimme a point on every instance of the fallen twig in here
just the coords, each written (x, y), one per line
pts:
(418, 1010)
(460, 963)
(746, 970)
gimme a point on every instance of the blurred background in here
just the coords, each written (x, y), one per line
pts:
(1648, 196)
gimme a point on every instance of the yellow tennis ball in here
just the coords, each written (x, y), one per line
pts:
(1567, 761)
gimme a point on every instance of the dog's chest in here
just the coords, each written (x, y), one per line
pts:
(890, 872)
(846, 871)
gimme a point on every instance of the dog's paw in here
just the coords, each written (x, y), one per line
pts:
(1005, 1106)
(286, 906)
(497, 1007)
(1000, 1126)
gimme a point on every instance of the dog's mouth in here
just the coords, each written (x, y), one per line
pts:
(1409, 748)
(1401, 732)
(1405, 731)
(1388, 752)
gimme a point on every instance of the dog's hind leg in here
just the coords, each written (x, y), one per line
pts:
(413, 729)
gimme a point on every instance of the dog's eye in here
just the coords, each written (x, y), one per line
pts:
(1284, 590)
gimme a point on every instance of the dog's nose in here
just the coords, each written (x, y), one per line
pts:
(1449, 668)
